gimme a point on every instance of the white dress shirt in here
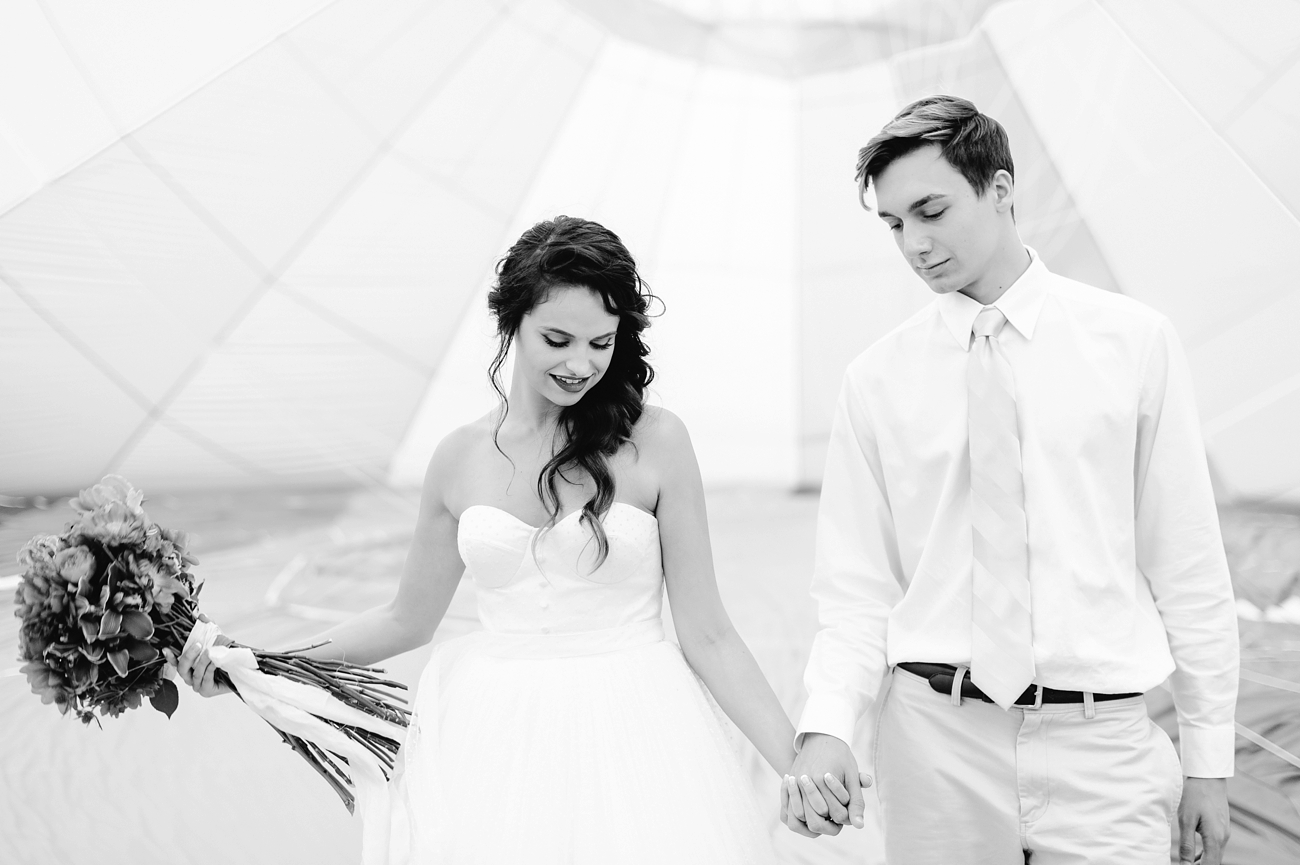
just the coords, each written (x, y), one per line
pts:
(1128, 578)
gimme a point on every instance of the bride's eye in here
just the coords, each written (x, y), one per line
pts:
(603, 346)
(552, 343)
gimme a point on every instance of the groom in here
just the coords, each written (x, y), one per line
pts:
(1017, 520)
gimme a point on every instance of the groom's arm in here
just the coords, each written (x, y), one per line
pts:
(1180, 551)
(856, 582)
(854, 576)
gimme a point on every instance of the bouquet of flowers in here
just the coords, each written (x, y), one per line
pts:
(109, 605)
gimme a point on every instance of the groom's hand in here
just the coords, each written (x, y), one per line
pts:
(824, 790)
(1203, 811)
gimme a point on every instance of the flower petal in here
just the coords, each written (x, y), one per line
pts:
(119, 659)
(137, 624)
(110, 625)
(141, 651)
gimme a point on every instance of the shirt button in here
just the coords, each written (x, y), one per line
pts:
(545, 604)
(546, 630)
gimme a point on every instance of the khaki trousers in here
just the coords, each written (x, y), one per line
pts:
(973, 783)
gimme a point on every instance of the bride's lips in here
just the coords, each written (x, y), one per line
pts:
(570, 384)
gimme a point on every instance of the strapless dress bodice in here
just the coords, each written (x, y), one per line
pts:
(535, 581)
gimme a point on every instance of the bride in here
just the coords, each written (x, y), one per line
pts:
(569, 730)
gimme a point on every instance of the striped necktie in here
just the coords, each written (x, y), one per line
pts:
(1002, 650)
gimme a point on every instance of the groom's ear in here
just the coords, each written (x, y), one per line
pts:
(1002, 189)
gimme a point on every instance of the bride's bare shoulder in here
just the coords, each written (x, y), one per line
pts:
(661, 435)
(459, 449)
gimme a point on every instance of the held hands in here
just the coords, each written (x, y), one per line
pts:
(823, 792)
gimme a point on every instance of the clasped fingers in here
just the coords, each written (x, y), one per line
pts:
(808, 810)
(792, 810)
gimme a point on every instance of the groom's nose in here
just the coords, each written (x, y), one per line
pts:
(916, 242)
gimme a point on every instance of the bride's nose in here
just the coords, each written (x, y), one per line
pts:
(580, 367)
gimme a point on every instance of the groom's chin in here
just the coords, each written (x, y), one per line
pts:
(941, 285)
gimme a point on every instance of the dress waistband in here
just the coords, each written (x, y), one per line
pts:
(572, 645)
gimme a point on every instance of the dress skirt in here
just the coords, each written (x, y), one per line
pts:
(600, 747)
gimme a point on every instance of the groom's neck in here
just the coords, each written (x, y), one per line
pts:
(1007, 265)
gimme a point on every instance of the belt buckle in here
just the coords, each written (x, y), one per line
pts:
(1038, 696)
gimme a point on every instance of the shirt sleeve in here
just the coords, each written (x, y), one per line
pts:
(1180, 551)
(856, 577)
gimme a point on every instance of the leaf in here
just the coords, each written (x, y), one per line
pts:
(166, 698)
(137, 624)
(119, 659)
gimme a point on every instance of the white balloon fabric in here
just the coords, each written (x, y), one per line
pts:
(247, 244)
(302, 711)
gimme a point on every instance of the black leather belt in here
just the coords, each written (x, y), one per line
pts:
(940, 677)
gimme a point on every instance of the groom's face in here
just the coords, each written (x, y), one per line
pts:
(947, 232)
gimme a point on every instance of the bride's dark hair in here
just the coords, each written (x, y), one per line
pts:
(562, 252)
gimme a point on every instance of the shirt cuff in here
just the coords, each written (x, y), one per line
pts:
(826, 713)
(1207, 752)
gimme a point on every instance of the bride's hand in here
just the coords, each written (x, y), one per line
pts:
(823, 791)
(197, 670)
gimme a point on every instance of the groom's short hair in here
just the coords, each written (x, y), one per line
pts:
(973, 143)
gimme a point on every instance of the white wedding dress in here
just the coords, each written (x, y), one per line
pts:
(569, 730)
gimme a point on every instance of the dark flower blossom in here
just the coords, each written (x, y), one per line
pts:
(100, 602)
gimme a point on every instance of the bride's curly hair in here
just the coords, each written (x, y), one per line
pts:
(567, 251)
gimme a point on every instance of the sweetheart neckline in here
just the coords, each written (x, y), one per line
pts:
(562, 519)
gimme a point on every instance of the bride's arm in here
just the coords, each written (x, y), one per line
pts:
(430, 575)
(429, 578)
(708, 639)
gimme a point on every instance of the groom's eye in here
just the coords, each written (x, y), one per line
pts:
(936, 214)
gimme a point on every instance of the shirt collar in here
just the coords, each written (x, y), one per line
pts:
(1020, 303)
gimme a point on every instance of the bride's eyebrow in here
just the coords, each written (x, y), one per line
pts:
(565, 333)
